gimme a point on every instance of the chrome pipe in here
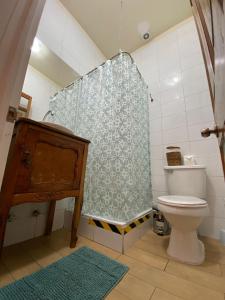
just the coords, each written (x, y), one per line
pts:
(49, 112)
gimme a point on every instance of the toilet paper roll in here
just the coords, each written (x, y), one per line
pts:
(189, 160)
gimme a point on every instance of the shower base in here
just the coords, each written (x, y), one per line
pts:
(118, 236)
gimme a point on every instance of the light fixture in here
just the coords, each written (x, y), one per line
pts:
(36, 47)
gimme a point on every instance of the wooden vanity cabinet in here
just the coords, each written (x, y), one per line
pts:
(44, 165)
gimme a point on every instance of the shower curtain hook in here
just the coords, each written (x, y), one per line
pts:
(151, 97)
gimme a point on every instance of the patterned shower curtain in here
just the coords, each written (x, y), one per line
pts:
(109, 107)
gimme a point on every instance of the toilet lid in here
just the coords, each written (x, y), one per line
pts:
(182, 201)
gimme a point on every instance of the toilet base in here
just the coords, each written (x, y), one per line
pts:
(186, 247)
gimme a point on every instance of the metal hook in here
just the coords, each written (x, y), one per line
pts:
(151, 97)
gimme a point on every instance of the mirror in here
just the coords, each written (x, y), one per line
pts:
(46, 74)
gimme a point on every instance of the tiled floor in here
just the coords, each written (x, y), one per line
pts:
(151, 276)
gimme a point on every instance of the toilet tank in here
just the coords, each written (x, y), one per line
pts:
(186, 180)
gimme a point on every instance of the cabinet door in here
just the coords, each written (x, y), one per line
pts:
(50, 162)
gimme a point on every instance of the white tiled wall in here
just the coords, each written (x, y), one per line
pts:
(173, 67)
(40, 88)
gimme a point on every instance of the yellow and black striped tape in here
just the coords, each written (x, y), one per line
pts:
(107, 226)
(136, 223)
(118, 228)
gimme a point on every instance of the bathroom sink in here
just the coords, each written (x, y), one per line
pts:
(57, 126)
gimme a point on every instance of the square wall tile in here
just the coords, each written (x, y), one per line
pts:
(200, 115)
(159, 183)
(155, 109)
(108, 239)
(173, 121)
(194, 131)
(157, 167)
(58, 219)
(156, 138)
(216, 206)
(155, 125)
(173, 92)
(174, 136)
(211, 227)
(131, 237)
(205, 147)
(157, 194)
(215, 187)
(194, 80)
(156, 152)
(19, 230)
(40, 225)
(198, 100)
(85, 229)
(173, 107)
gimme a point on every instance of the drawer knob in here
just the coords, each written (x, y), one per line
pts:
(26, 158)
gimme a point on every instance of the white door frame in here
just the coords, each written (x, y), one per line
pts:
(19, 22)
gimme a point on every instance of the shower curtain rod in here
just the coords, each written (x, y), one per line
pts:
(121, 52)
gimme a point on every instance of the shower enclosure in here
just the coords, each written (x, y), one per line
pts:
(109, 107)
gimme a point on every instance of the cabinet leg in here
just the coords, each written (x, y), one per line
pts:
(76, 221)
(3, 223)
(51, 212)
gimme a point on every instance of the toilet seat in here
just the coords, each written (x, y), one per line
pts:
(182, 201)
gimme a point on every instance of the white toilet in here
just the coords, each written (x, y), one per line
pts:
(185, 209)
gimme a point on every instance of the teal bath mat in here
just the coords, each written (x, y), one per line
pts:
(85, 274)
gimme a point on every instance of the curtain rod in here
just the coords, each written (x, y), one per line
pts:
(121, 52)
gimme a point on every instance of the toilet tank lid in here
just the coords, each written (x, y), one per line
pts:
(184, 167)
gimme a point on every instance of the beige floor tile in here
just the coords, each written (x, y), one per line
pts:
(212, 244)
(19, 263)
(209, 267)
(162, 295)
(216, 256)
(215, 252)
(194, 275)
(157, 245)
(115, 295)
(135, 288)
(60, 245)
(222, 267)
(152, 247)
(97, 247)
(5, 276)
(170, 283)
(147, 258)
(150, 236)
(43, 255)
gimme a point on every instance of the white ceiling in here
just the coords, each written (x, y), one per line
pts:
(49, 64)
(101, 20)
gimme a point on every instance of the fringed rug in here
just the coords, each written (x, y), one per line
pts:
(85, 274)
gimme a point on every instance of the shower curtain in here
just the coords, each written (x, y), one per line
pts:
(110, 108)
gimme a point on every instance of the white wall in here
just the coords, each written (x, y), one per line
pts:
(173, 67)
(40, 88)
(62, 34)
(23, 225)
